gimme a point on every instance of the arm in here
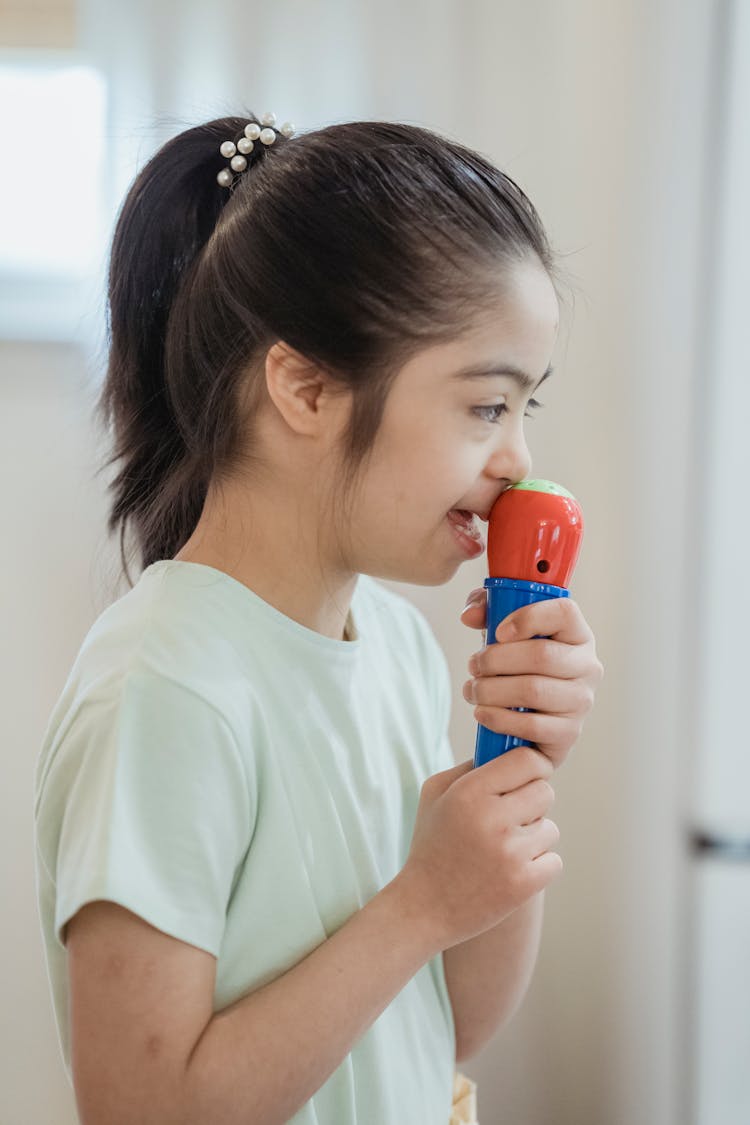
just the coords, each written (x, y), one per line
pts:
(488, 975)
(141, 1005)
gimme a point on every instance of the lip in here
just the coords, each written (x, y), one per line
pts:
(484, 516)
(473, 545)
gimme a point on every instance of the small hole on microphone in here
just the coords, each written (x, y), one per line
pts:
(543, 566)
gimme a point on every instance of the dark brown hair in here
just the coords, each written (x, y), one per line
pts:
(357, 244)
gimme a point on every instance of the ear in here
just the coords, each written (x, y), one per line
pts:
(304, 395)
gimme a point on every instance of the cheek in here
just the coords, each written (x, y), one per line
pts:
(453, 456)
(436, 474)
(425, 465)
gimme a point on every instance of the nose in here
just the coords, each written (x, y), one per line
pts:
(511, 459)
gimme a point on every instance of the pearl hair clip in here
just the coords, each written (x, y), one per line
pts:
(253, 132)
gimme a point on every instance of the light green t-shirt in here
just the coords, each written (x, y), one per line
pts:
(246, 784)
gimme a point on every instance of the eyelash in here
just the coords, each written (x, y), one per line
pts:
(503, 409)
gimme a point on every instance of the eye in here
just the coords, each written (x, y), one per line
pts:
(495, 412)
(491, 413)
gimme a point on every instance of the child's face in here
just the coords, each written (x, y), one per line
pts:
(443, 442)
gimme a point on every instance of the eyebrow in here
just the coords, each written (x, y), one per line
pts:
(525, 381)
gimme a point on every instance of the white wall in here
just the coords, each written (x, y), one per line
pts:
(599, 111)
(53, 562)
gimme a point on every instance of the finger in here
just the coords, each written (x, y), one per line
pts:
(515, 768)
(474, 616)
(538, 837)
(559, 618)
(541, 657)
(538, 693)
(474, 613)
(443, 779)
(525, 805)
(550, 734)
(543, 870)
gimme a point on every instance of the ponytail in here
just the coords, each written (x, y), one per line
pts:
(168, 215)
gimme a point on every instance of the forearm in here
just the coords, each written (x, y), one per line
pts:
(488, 975)
(264, 1056)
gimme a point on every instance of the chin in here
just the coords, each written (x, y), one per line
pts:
(414, 574)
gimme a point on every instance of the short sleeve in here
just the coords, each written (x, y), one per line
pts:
(154, 806)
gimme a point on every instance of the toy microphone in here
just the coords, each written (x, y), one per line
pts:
(533, 542)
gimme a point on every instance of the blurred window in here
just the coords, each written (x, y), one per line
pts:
(52, 214)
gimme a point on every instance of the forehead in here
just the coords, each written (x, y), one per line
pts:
(517, 330)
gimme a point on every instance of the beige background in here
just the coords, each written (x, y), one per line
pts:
(46, 23)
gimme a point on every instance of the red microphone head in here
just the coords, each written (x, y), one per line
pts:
(535, 532)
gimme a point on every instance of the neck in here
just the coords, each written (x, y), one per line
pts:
(274, 546)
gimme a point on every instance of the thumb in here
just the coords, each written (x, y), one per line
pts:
(445, 778)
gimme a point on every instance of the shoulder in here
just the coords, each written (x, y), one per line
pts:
(147, 698)
(139, 727)
(171, 637)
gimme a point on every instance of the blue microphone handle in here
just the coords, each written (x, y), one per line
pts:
(503, 596)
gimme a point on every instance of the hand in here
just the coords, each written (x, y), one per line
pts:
(482, 844)
(556, 677)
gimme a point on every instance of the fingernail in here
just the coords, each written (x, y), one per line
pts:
(474, 598)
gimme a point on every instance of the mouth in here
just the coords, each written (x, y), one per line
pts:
(463, 522)
(467, 514)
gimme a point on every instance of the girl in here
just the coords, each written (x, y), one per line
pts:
(267, 892)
